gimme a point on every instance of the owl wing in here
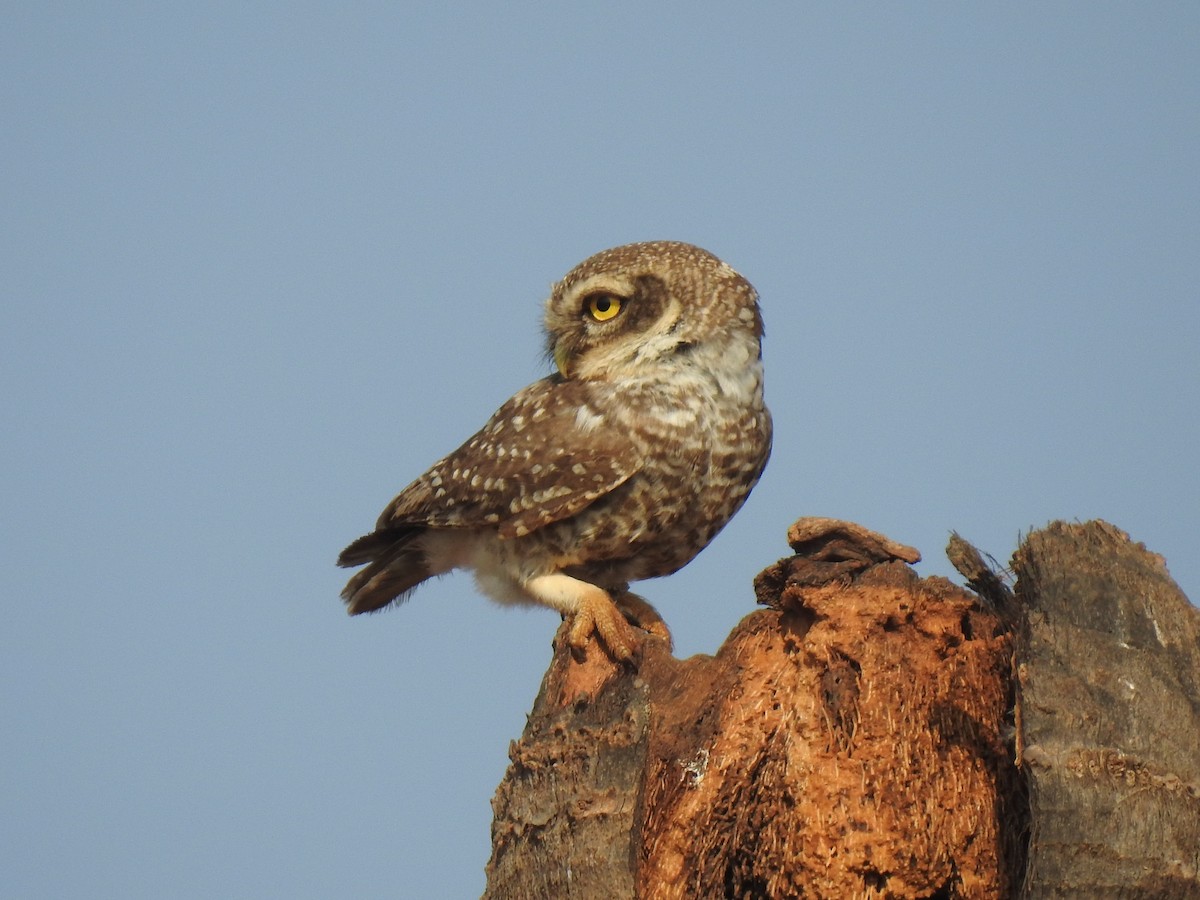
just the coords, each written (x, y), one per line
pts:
(544, 456)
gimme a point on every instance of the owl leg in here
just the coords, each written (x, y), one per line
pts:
(591, 609)
(643, 615)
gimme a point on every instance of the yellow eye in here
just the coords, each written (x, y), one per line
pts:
(602, 307)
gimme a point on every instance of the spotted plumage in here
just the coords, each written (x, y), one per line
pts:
(621, 466)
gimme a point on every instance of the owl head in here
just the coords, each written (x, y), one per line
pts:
(631, 310)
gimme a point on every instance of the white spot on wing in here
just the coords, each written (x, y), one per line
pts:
(587, 420)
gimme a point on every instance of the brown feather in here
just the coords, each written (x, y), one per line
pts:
(397, 565)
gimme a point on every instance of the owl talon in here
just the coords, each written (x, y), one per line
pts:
(640, 613)
(659, 630)
(596, 613)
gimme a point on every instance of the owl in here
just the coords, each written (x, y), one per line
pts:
(620, 466)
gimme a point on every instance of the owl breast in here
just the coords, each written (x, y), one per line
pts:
(703, 435)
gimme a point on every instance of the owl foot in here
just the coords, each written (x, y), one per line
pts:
(591, 609)
(597, 613)
(640, 613)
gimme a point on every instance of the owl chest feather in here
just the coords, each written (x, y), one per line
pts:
(702, 439)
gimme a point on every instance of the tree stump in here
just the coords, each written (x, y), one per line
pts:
(1108, 680)
(857, 739)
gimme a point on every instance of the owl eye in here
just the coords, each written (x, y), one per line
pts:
(602, 307)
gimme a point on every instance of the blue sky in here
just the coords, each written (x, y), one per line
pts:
(262, 264)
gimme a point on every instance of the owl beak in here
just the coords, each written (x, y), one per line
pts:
(560, 359)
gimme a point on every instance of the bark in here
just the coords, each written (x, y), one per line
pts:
(857, 738)
(1109, 700)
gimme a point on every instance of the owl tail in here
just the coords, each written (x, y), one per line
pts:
(397, 565)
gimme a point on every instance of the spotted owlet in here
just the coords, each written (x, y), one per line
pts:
(621, 466)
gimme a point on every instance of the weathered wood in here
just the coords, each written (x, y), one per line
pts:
(981, 578)
(1109, 707)
(849, 742)
(858, 739)
(568, 806)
